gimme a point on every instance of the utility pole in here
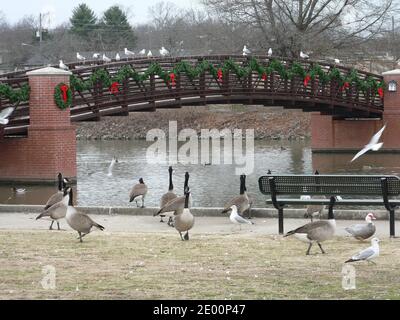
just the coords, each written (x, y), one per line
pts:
(40, 29)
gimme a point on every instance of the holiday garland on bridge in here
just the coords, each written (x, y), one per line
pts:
(14, 95)
(343, 81)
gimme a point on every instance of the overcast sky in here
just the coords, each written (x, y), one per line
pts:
(60, 11)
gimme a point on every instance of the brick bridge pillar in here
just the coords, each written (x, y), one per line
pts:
(329, 135)
(50, 146)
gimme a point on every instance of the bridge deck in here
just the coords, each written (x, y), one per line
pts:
(273, 89)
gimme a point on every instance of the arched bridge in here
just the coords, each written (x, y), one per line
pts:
(145, 84)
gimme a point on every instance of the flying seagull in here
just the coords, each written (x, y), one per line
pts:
(303, 55)
(129, 53)
(62, 65)
(367, 254)
(5, 113)
(372, 144)
(164, 52)
(80, 57)
(246, 51)
(269, 52)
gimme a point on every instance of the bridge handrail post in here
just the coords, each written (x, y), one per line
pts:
(152, 98)
(202, 84)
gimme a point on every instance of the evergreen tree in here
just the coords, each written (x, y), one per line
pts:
(83, 21)
(116, 30)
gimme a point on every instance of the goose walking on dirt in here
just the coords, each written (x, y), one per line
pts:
(365, 230)
(184, 220)
(57, 211)
(168, 196)
(79, 221)
(367, 254)
(138, 192)
(316, 232)
(241, 201)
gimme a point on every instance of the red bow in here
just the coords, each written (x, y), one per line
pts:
(172, 77)
(346, 85)
(264, 76)
(64, 89)
(307, 80)
(114, 89)
(219, 75)
(380, 92)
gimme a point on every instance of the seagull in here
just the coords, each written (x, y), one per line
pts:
(112, 164)
(149, 54)
(303, 55)
(79, 57)
(63, 66)
(96, 55)
(142, 52)
(269, 52)
(236, 219)
(129, 53)
(337, 61)
(117, 57)
(372, 144)
(367, 254)
(5, 113)
(164, 52)
(246, 51)
(106, 59)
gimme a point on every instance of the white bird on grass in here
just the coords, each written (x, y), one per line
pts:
(246, 51)
(163, 51)
(111, 167)
(372, 144)
(80, 57)
(106, 59)
(129, 53)
(367, 254)
(142, 52)
(269, 52)
(237, 219)
(4, 114)
(63, 66)
(96, 55)
(149, 54)
(303, 55)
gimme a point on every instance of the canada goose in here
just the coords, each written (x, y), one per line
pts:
(317, 231)
(241, 201)
(79, 221)
(314, 210)
(251, 201)
(236, 219)
(367, 254)
(365, 230)
(178, 203)
(138, 192)
(184, 219)
(58, 196)
(58, 210)
(111, 167)
(167, 197)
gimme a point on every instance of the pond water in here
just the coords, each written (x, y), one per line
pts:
(211, 185)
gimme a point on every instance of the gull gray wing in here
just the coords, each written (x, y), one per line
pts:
(240, 219)
(364, 254)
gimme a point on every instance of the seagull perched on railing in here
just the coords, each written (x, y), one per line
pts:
(5, 113)
(163, 51)
(129, 53)
(337, 61)
(304, 55)
(117, 57)
(63, 66)
(142, 52)
(96, 55)
(80, 57)
(246, 51)
(372, 144)
(106, 59)
(269, 52)
(149, 54)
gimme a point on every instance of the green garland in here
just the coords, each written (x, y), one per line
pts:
(58, 97)
(241, 71)
(15, 95)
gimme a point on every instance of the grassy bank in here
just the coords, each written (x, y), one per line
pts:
(154, 266)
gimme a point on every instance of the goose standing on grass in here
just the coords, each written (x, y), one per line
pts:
(5, 113)
(79, 221)
(167, 197)
(138, 192)
(177, 204)
(367, 254)
(59, 195)
(111, 167)
(241, 201)
(365, 230)
(236, 219)
(184, 219)
(58, 210)
(316, 232)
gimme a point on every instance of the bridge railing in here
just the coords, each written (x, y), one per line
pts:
(272, 88)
